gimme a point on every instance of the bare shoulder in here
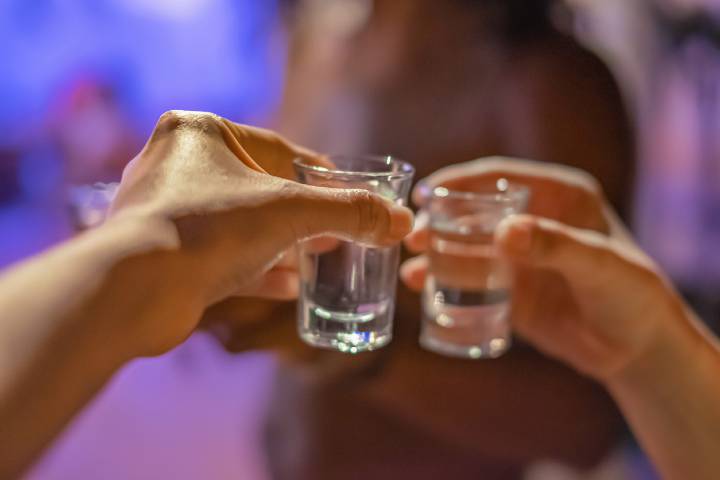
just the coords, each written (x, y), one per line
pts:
(558, 67)
(565, 106)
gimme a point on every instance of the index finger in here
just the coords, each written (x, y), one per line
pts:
(271, 152)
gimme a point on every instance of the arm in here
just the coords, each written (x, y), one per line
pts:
(634, 334)
(671, 400)
(70, 319)
(588, 297)
(561, 105)
(554, 412)
(202, 214)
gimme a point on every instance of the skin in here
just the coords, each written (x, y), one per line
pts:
(203, 213)
(432, 83)
(586, 295)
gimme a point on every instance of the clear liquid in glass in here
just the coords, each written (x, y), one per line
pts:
(466, 301)
(347, 296)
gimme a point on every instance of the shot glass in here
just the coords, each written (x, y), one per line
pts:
(466, 300)
(347, 290)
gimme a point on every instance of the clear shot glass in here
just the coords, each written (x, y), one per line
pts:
(466, 300)
(347, 290)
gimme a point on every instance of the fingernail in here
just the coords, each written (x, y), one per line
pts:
(401, 221)
(516, 237)
(422, 220)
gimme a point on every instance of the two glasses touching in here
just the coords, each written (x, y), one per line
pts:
(347, 290)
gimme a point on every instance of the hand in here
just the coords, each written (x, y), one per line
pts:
(584, 292)
(225, 188)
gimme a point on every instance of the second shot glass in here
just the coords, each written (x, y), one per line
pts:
(347, 290)
(466, 301)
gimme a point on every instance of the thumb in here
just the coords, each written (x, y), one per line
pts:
(585, 258)
(356, 215)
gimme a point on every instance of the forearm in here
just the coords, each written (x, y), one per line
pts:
(671, 399)
(45, 391)
(62, 334)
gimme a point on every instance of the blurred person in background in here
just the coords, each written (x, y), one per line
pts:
(437, 83)
(93, 134)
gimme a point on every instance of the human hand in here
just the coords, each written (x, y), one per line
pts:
(226, 189)
(241, 324)
(583, 292)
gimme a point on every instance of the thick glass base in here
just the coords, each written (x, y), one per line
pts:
(346, 343)
(347, 332)
(490, 348)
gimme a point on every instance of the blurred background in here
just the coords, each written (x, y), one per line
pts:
(627, 89)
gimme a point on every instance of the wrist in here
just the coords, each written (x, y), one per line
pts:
(141, 230)
(677, 342)
(141, 276)
(669, 395)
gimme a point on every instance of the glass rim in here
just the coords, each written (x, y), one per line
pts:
(509, 192)
(407, 170)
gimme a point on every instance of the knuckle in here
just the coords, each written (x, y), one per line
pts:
(292, 191)
(591, 188)
(595, 218)
(296, 201)
(369, 214)
(180, 120)
(285, 196)
(603, 262)
(590, 204)
(203, 122)
(293, 197)
(169, 121)
(547, 244)
(588, 182)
